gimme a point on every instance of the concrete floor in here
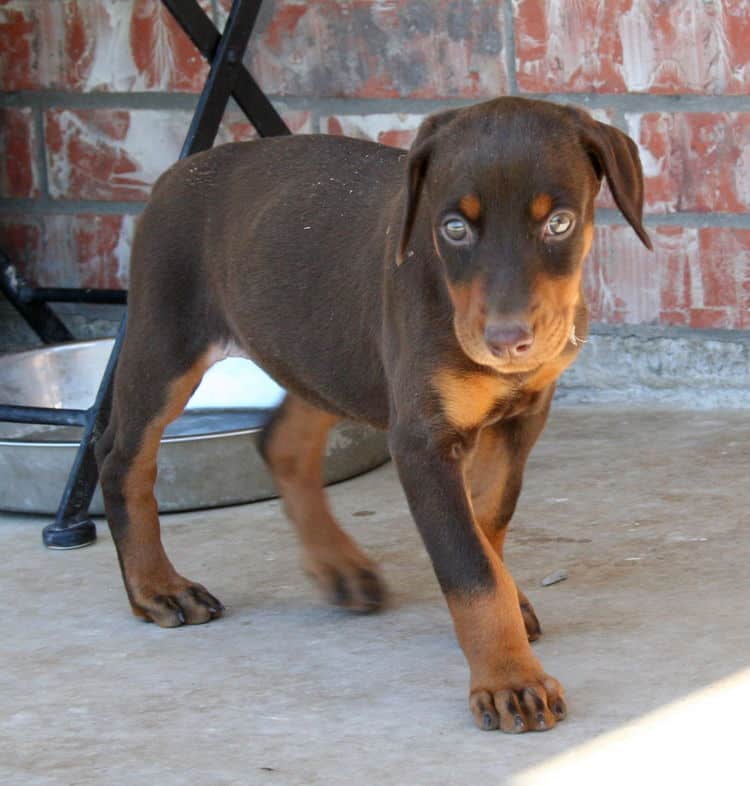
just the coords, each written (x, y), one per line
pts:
(647, 511)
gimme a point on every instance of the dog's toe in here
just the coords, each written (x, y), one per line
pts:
(535, 704)
(360, 590)
(348, 577)
(530, 620)
(179, 603)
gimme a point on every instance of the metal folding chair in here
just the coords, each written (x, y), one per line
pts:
(228, 77)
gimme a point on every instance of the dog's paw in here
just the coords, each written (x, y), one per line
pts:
(530, 620)
(535, 704)
(180, 602)
(348, 579)
(362, 590)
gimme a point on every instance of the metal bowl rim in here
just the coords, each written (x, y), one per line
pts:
(54, 348)
(5, 442)
(164, 441)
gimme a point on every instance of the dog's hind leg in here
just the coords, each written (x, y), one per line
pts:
(293, 445)
(153, 383)
(495, 476)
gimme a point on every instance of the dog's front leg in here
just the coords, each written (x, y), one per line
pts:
(509, 688)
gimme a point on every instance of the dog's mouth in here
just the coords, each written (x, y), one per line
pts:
(548, 338)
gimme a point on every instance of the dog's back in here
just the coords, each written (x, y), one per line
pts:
(208, 249)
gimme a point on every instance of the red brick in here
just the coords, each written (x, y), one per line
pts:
(19, 177)
(21, 240)
(710, 318)
(110, 154)
(85, 45)
(117, 155)
(673, 318)
(102, 245)
(237, 128)
(376, 49)
(695, 161)
(165, 58)
(633, 45)
(396, 130)
(19, 43)
(698, 278)
(624, 282)
(725, 272)
(70, 250)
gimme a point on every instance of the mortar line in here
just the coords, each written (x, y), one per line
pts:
(618, 120)
(645, 332)
(315, 122)
(604, 216)
(509, 40)
(688, 219)
(47, 206)
(625, 102)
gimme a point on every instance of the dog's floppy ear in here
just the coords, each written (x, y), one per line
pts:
(417, 162)
(615, 155)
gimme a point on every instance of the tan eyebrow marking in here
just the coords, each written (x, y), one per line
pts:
(471, 207)
(541, 204)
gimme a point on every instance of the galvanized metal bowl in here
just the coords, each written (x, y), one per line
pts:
(208, 457)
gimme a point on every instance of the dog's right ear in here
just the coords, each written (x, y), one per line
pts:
(417, 162)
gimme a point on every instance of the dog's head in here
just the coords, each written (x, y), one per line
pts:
(504, 193)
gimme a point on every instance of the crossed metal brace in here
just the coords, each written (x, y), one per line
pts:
(228, 77)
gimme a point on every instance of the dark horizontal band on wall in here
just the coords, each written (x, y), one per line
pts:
(68, 207)
(606, 216)
(625, 102)
(686, 219)
(656, 332)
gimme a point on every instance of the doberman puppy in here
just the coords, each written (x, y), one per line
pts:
(435, 294)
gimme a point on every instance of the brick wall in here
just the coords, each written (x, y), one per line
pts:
(98, 94)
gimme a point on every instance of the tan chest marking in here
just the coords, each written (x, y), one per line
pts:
(468, 398)
(545, 375)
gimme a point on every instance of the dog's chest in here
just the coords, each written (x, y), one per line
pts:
(471, 400)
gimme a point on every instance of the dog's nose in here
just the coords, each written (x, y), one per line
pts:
(508, 338)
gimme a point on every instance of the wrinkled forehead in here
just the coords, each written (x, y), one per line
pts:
(514, 158)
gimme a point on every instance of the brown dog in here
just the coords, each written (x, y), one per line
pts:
(436, 295)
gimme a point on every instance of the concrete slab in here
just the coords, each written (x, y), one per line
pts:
(647, 511)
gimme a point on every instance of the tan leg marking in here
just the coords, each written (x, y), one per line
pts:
(489, 473)
(295, 452)
(149, 574)
(509, 688)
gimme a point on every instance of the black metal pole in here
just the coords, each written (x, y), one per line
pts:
(248, 95)
(28, 294)
(39, 316)
(224, 68)
(52, 417)
(73, 527)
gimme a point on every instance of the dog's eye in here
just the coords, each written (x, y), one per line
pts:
(559, 224)
(455, 230)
